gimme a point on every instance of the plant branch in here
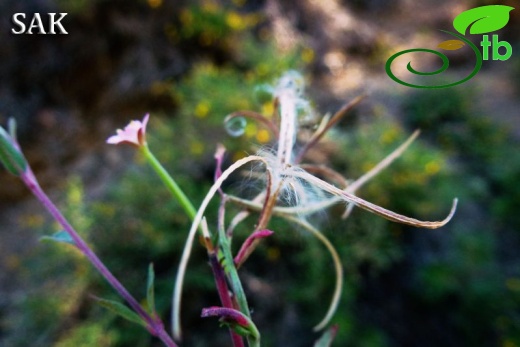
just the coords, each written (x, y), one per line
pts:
(170, 183)
(154, 325)
(324, 127)
(177, 293)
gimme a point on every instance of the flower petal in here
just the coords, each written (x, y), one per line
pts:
(133, 134)
(142, 132)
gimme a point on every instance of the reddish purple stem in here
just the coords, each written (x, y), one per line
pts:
(219, 157)
(227, 314)
(218, 271)
(249, 245)
(155, 325)
(223, 291)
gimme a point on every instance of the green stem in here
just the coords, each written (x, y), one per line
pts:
(234, 280)
(232, 274)
(170, 183)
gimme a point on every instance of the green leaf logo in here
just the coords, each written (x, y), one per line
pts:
(483, 19)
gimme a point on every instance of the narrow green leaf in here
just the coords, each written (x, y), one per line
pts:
(483, 19)
(327, 338)
(61, 237)
(150, 292)
(234, 319)
(10, 155)
(121, 310)
(240, 330)
(11, 127)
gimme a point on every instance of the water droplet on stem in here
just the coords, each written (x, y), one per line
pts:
(235, 126)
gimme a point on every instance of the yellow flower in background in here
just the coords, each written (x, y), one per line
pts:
(432, 167)
(186, 17)
(210, 6)
(388, 136)
(308, 55)
(251, 130)
(196, 148)
(154, 3)
(239, 3)
(267, 108)
(202, 109)
(235, 21)
(263, 136)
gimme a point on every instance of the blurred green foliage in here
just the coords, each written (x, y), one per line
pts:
(74, 6)
(475, 271)
(61, 275)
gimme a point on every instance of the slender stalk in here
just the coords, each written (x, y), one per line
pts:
(239, 217)
(383, 164)
(249, 245)
(177, 292)
(154, 325)
(269, 202)
(220, 278)
(232, 273)
(322, 130)
(337, 268)
(288, 124)
(223, 292)
(186, 204)
(235, 318)
(170, 183)
(323, 239)
(236, 285)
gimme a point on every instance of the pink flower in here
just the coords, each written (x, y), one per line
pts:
(134, 133)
